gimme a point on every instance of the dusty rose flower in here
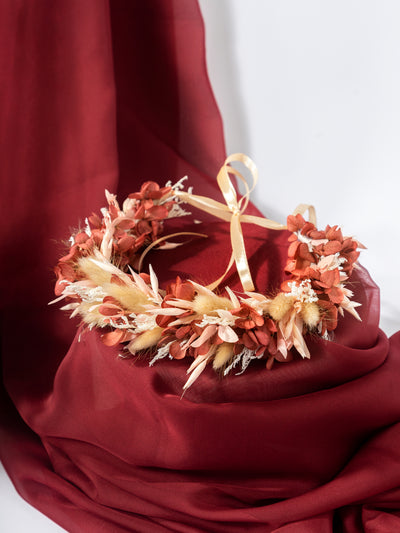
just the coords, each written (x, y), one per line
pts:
(150, 190)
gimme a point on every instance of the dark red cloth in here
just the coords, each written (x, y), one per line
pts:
(102, 95)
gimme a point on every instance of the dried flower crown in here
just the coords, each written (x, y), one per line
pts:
(99, 282)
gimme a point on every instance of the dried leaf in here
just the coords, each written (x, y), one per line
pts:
(227, 334)
(195, 373)
(208, 332)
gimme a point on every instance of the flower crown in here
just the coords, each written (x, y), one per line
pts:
(99, 279)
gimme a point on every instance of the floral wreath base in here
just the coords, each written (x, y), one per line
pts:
(97, 278)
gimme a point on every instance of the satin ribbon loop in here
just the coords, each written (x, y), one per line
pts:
(237, 208)
(233, 211)
(312, 215)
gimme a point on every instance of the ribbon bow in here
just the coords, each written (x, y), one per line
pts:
(233, 212)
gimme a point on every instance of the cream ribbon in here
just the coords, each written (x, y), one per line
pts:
(233, 212)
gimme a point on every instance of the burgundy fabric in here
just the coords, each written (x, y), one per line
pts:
(102, 95)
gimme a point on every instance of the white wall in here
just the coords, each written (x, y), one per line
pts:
(311, 91)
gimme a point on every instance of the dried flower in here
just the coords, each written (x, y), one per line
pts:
(97, 279)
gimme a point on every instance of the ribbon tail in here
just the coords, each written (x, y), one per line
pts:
(239, 254)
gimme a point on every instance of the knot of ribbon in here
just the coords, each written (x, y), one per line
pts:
(233, 211)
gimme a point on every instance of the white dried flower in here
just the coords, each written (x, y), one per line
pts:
(302, 292)
(224, 318)
(144, 322)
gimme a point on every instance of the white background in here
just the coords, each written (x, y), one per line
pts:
(311, 91)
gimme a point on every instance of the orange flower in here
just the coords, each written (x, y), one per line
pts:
(116, 336)
(249, 318)
(150, 190)
(258, 339)
(329, 316)
(183, 290)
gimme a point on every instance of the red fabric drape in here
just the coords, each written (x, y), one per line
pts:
(102, 95)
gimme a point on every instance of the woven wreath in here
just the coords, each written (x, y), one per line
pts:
(100, 282)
